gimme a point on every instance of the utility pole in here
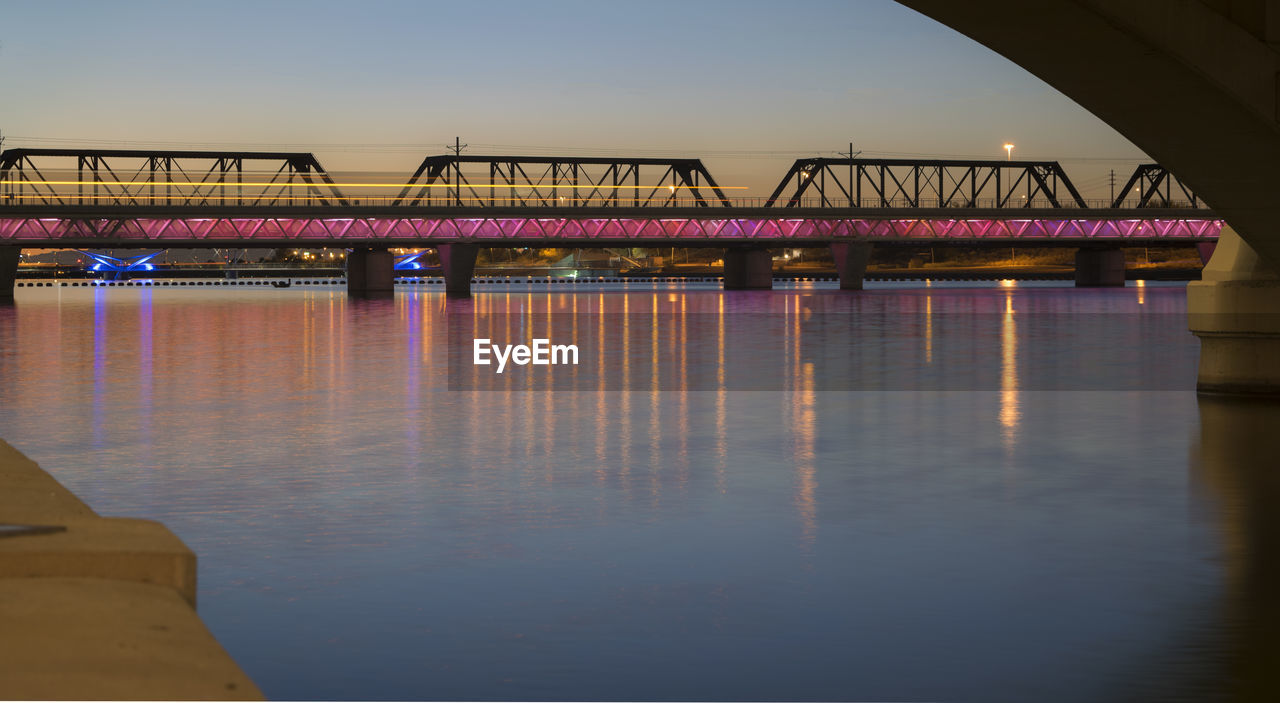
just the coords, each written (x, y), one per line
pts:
(457, 148)
(852, 155)
(1113, 185)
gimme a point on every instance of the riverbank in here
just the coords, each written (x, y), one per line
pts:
(98, 608)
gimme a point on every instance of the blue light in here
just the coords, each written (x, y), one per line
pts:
(116, 265)
(409, 262)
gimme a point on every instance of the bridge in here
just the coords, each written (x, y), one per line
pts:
(106, 198)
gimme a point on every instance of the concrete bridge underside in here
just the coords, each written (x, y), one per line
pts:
(1196, 85)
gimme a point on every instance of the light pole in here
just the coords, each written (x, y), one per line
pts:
(1008, 150)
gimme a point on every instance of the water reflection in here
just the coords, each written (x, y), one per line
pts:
(357, 523)
(100, 358)
(928, 329)
(1236, 458)
(805, 431)
(1009, 376)
(653, 342)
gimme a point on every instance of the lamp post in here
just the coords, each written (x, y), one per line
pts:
(1008, 150)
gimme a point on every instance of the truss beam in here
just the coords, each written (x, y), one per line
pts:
(523, 181)
(131, 177)
(1153, 186)
(913, 183)
(116, 177)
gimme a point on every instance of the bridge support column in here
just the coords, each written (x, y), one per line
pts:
(851, 262)
(748, 268)
(1205, 250)
(459, 264)
(8, 271)
(370, 273)
(1099, 268)
(1235, 311)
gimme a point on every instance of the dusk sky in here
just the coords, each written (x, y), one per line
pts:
(748, 86)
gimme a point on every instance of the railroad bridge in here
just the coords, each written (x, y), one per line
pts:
(457, 204)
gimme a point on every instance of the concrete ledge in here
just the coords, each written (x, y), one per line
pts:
(94, 639)
(1234, 307)
(108, 548)
(103, 609)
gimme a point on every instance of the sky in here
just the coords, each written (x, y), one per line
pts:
(747, 86)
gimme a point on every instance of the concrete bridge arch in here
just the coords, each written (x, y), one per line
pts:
(1196, 85)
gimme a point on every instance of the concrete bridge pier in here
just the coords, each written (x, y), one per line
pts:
(370, 273)
(748, 268)
(458, 262)
(1205, 250)
(1099, 267)
(1235, 311)
(8, 271)
(851, 262)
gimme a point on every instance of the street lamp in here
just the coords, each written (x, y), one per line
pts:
(1008, 150)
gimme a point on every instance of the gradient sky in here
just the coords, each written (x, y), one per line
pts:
(748, 86)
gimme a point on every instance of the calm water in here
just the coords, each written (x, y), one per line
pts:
(955, 492)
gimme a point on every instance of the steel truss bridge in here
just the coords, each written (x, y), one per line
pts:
(86, 199)
(140, 198)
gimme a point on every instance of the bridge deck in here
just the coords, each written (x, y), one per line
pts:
(593, 211)
(269, 226)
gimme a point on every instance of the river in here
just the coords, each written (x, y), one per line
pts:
(957, 491)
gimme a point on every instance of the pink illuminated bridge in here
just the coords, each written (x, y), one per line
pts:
(670, 226)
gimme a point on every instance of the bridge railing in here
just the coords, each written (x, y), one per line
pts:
(215, 202)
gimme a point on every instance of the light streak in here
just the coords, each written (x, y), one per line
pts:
(248, 198)
(326, 184)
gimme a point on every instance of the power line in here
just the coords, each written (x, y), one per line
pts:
(425, 147)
